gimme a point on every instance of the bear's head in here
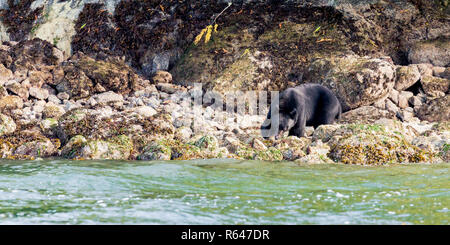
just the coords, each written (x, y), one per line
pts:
(282, 116)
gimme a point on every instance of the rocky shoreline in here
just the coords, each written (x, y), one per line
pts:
(100, 92)
(82, 108)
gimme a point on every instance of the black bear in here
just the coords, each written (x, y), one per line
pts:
(301, 106)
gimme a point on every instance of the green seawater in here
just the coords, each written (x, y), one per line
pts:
(221, 192)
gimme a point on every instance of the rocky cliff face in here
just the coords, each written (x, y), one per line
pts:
(83, 62)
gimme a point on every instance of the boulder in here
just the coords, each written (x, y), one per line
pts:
(7, 124)
(18, 89)
(436, 52)
(39, 93)
(406, 77)
(357, 81)
(38, 148)
(431, 85)
(5, 74)
(108, 97)
(436, 110)
(162, 77)
(403, 99)
(11, 102)
(115, 148)
(365, 114)
(374, 144)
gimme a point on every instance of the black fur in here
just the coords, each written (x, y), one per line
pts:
(301, 106)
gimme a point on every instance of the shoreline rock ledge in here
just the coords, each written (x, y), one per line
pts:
(117, 79)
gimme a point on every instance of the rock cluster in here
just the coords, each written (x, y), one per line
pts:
(117, 80)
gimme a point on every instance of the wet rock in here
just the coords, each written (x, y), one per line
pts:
(63, 96)
(442, 72)
(436, 52)
(309, 131)
(48, 126)
(118, 148)
(33, 54)
(58, 75)
(155, 151)
(3, 92)
(380, 104)
(316, 153)
(40, 148)
(324, 132)
(407, 114)
(232, 143)
(293, 147)
(435, 110)
(53, 99)
(73, 146)
(75, 83)
(39, 78)
(375, 145)
(258, 145)
(105, 123)
(406, 77)
(357, 81)
(155, 63)
(111, 74)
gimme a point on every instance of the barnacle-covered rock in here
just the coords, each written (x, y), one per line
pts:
(374, 145)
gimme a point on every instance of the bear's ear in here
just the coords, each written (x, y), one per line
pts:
(293, 113)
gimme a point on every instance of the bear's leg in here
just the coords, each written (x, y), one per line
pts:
(299, 128)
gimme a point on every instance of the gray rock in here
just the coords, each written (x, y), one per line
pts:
(145, 111)
(54, 99)
(391, 107)
(403, 98)
(157, 62)
(183, 133)
(162, 77)
(436, 52)
(17, 89)
(108, 97)
(406, 77)
(63, 96)
(442, 72)
(425, 69)
(415, 101)
(393, 95)
(39, 93)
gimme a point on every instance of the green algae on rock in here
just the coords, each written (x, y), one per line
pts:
(374, 145)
